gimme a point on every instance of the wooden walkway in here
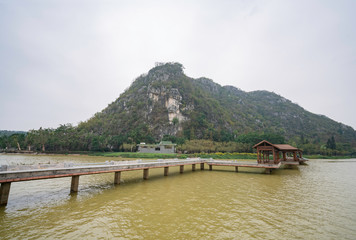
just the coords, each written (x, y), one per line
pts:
(9, 174)
(268, 167)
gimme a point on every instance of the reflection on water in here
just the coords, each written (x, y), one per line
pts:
(317, 201)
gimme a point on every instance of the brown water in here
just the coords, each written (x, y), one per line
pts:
(317, 201)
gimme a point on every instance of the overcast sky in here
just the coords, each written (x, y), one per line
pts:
(63, 61)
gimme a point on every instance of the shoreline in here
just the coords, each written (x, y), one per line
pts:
(136, 155)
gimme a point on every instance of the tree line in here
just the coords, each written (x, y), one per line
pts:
(67, 138)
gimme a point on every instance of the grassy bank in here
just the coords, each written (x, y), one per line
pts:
(327, 157)
(176, 155)
(137, 155)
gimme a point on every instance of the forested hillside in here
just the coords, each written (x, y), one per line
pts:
(167, 104)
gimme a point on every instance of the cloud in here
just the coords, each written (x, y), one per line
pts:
(62, 61)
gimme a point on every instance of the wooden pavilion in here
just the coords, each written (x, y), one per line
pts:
(280, 152)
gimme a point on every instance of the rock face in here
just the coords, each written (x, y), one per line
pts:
(167, 102)
(172, 100)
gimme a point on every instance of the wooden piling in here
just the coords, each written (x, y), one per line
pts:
(268, 171)
(75, 184)
(181, 168)
(166, 170)
(193, 167)
(4, 193)
(145, 173)
(210, 167)
(117, 177)
(202, 166)
(236, 168)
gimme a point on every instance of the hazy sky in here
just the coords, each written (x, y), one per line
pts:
(63, 61)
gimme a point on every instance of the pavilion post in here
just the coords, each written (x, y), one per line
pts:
(295, 156)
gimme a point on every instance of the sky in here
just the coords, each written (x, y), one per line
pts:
(61, 61)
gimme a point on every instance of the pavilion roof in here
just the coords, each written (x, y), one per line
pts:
(281, 147)
(286, 147)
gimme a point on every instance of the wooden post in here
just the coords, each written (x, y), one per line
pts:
(259, 156)
(274, 156)
(236, 168)
(210, 167)
(75, 184)
(295, 156)
(145, 173)
(284, 156)
(277, 156)
(166, 169)
(193, 167)
(117, 177)
(4, 193)
(268, 170)
(181, 168)
(202, 166)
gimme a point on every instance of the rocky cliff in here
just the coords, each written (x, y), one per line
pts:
(167, 102)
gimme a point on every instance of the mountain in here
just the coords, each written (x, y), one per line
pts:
(9, 133)
(167, 102)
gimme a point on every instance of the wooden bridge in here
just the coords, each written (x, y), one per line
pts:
(18, 173)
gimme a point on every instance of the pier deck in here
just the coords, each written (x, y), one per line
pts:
(41, 171)
(17, 173)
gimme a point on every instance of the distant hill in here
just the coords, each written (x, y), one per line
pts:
(9, 133)
(167, 102)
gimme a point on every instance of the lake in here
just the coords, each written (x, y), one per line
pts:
(314, 201)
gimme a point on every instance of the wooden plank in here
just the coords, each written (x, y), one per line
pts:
(265, 148)
(239, 164)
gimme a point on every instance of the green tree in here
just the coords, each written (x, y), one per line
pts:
(331, 143)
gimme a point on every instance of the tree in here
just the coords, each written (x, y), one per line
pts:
(331, 143)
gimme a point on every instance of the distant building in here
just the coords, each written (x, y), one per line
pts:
(162, 147)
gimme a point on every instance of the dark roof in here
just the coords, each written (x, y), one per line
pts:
(282, 147)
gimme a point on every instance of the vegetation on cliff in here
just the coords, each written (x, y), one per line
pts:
(197, 114)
